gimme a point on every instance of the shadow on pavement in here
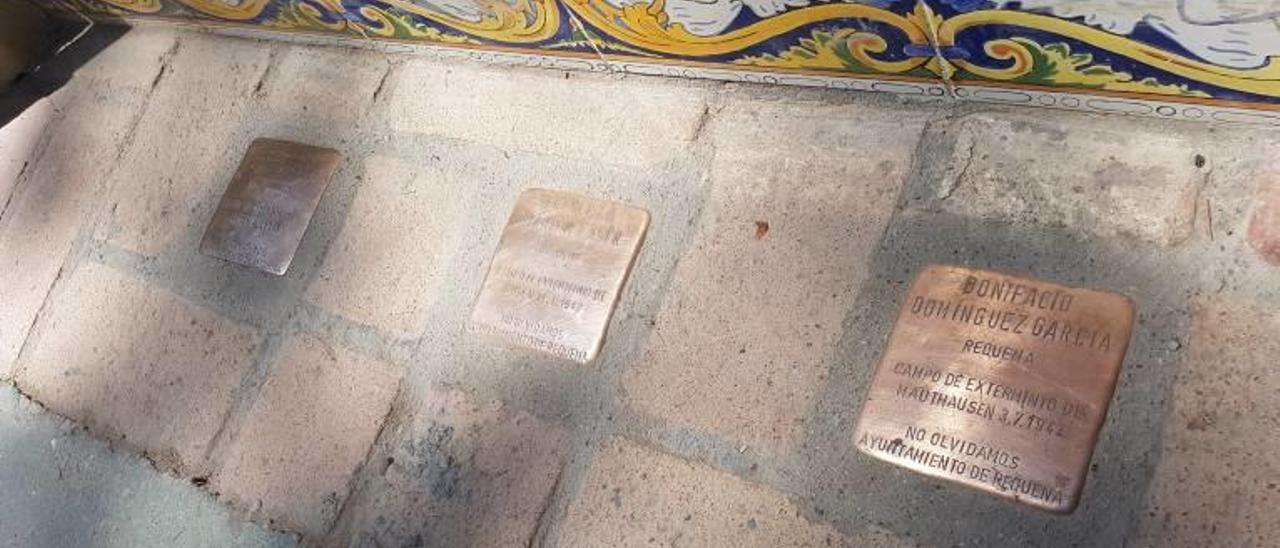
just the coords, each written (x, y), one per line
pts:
(54, 68)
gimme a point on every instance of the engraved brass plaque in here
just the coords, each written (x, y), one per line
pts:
(268, 205)
(997, 382)
(558, 271)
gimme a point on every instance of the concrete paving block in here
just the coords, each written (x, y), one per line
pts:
(134, 60)
(45, 212)
(801, 195)
(312, 90)
(307, 434)
(1264, 225)
(463, 473)
(636, 496)
(379, 270)
(63, 488)
(137, 365)
(1216, 482)
(1086, 173)
(644, 122)
(186, 146)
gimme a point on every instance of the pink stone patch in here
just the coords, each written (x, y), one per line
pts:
(1264, 227)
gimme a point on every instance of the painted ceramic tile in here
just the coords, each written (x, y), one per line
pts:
(1217, 49)
(1216, 52)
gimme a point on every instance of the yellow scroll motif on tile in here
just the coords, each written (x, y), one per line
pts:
(387, 25)
(525, 21)
(373, 22)
(647, 26)
(247, 9)
(1261, 81)
(302, 16)
(136, 6)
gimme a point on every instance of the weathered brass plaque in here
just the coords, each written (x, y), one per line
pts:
(558, 271)
(997, 382)
(268, 205)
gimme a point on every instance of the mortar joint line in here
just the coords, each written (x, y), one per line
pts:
(83, 241)
(361, 476)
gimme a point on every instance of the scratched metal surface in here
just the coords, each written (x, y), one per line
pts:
(268, 205)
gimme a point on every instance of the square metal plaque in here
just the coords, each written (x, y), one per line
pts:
(268, 205)
(558, 271)
(997, 382)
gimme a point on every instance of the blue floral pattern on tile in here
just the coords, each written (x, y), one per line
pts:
(1183, 51)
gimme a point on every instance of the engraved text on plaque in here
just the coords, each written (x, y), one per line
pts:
(558, 271)
(268, 205)
(997, 382)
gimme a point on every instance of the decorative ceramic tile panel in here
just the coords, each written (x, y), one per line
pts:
(1159, 57)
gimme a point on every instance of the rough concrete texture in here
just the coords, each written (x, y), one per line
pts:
(160, 200)
(634, 495)
(550, 112)
(50, 197)
(1217, 482)
(366, 279)
(465, 473)
(1011, 168)
(138, 365)
(778, 243)
(18, 140)
(307, 433)
(64, 488)
(786, 225)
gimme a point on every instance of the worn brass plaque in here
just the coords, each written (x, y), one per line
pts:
(268, 205)
(559, 268)
(997, 382)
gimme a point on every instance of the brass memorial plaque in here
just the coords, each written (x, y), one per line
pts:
(558, 271)
(268, 205)
(997, 382)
